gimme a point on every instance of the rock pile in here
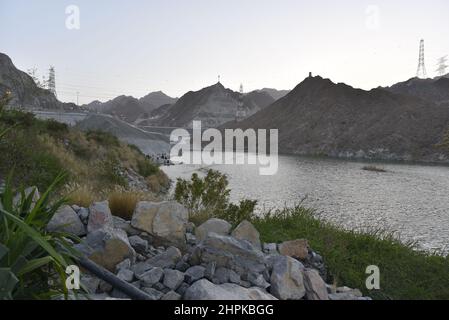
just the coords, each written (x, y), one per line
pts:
(167, 257)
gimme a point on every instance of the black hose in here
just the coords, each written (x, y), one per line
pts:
(128, 289)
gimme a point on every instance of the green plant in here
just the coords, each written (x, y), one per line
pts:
(208, 197)
(406, 273)
(103, 138)
(146, 168)
(32, 261)
(111, 172)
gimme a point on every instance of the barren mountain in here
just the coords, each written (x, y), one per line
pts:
(214, 106)
(154, 100)
(25, 93)
(435, 90)
(276, 94)
(320, 117)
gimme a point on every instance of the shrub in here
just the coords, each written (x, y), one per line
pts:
(112, 172)
(30, 258)
(208, 197)
(56, 128)
(146, 168)
(103, 138)
(123, 202)
(81, 195)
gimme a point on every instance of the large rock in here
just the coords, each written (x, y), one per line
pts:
(66, 220)
(287, 279)
(151, 277)
(206, 290)
(246, 231)
(108, 247)
(213, 225)
(297, 249)
(194, 274)
(229, 252)
(100, 216)
(315, 285)
(166, 259)
(27, 192)
(166, 221)
(173, 278)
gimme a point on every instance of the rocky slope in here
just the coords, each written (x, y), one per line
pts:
(214, 106)
(129, 108)
(320, 117)
(276, 94)
(148, 143)
(25, 93)
(434, 90)
(168, 258)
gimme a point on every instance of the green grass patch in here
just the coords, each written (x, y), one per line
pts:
(406, 273)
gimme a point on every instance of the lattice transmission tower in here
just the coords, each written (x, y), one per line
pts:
(421, 73)
(241, 112)
(442, 66)
(52, 80)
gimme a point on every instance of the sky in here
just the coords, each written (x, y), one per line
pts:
(135, 47)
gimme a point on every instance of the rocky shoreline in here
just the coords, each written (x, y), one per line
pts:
(160, 252)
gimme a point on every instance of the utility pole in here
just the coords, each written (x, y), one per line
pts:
(77, 98)
(421, 73)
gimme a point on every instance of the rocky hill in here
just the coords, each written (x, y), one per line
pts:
(131, 109)
(26, 94)
(320, 117)
(435, 90)
(276, 94)
(148, 143)
(214, 106)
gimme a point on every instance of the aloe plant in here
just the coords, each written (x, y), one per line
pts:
(32, 261)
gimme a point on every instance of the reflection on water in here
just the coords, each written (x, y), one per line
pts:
(410, 199)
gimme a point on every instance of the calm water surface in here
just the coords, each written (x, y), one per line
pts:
(412, 200)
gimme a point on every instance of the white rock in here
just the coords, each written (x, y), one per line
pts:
(287, 279)
(99, 216)
(206, 290)
(218, 226)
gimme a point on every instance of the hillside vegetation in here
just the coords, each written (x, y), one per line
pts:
(95, 162)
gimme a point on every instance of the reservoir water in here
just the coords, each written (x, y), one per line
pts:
(412, 200)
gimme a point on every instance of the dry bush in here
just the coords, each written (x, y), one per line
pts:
(122, 202)
(81, 195)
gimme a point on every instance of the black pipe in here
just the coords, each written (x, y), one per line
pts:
(125, 287)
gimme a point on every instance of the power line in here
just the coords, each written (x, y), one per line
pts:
(421, 73)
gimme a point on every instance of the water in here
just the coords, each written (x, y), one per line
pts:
(412, 200)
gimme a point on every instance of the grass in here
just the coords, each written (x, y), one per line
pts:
(406, 273)
(122, 202)
(96, 162)
(374, 169)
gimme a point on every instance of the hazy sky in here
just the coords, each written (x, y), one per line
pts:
(134, 47)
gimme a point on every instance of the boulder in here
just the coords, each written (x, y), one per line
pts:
(139, 244)
(66, 220)
(165, 221)
(153, 293)
(151, 277)
(173, 278)
(270, 248)
(230, 253)
(126, 275)
(315, 286)
(83, 214)
(108, 247)
(125, 264)
(166, 259)
(258, 280)
(99, 217)
(296, 248)
(287, 279)
(120, 223)
(206, 290)
(171, 295)
(194, 274)
(218, 226)
(246, 231)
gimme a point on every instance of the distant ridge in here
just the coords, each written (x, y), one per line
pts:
(319, 117)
